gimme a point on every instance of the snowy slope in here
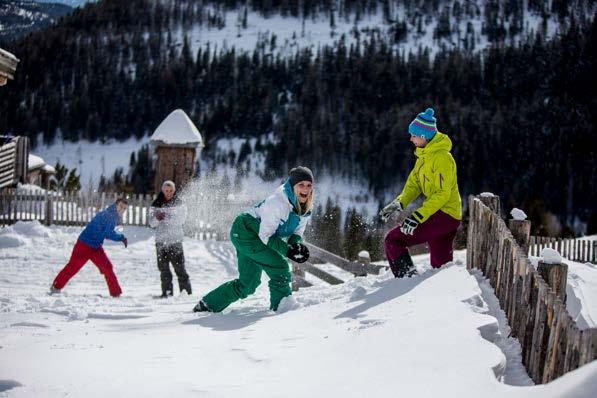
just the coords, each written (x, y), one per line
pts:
(19, 17)
(284, 34)
(92, 159)
(72, 3)
(427, 336)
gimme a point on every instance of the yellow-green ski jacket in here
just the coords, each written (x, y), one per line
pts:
(434, 176)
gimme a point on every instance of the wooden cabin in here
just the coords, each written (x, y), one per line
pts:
(177, 143)
(38, 172)
(14, 159)
(8, 66)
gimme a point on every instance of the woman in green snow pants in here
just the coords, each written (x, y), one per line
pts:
(264, 238)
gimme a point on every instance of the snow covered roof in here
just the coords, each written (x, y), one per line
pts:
(177, 129)
(35, 162)
(49, 169)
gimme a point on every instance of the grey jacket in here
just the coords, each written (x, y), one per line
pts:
(170, 229)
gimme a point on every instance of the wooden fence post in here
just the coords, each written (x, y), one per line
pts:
(364, 258)
(521, 230)
(49, 209)
(298, 277)
(555, 275)
(588, 346)
(472, 227)
(491, 201)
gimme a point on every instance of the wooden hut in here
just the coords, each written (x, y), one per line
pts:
(8, 66)
(38, 172)
(14, 154)
(177, 143)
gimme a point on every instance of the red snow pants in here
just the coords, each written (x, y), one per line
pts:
(438, 231)
(80, 255)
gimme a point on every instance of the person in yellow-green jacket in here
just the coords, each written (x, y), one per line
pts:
(438, 218)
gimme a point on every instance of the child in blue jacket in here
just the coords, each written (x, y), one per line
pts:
(89, 247)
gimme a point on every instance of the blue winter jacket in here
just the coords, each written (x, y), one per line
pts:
(101, 227)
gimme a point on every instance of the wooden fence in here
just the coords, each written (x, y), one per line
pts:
(552, 343)
(78, 208)
(580, 250)
(68, 208)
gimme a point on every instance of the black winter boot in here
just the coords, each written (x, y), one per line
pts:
(167, 291)
(185, 286)
(403, 266)
(201, 307)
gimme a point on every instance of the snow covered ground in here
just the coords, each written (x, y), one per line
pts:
(438, 334)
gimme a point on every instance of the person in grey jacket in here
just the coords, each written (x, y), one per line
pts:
(167, 215)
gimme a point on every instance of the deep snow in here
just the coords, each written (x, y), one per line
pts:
(425, 336)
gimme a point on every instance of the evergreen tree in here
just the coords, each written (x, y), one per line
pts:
(329, 229)
(354, 234)
(65, 180)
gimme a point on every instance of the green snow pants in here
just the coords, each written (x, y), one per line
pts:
(253, 257)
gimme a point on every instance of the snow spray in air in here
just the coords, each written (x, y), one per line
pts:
(213, 203)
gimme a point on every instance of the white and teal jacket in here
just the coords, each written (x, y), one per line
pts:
(277, 215)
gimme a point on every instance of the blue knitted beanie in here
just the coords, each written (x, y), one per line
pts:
(424, 125)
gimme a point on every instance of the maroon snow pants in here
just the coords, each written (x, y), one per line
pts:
(81, 254)
(438, 231)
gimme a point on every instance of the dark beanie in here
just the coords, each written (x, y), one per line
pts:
(300, 173)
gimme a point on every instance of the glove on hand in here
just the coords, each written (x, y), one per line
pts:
(160, 215)
(409, 225)
(126, 242)
(390, 209)
(298, 252)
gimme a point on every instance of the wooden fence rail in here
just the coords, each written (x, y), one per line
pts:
(580, 250)
(552, 344)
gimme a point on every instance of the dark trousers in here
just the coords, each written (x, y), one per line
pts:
(80, 255)
(438, 231)
(172, 254)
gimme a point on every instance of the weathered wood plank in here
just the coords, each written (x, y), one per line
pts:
(298, 282)
(327, 257)
(572, 348)
(321, 274)
(588, 346)
(521, 230)
(556, 276)
(551, 360)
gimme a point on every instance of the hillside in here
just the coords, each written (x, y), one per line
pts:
(334, 85)
(19, 17)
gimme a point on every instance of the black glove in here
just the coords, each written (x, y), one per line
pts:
(298, 252)
(409, 225)
(126, 242)
(160, 215)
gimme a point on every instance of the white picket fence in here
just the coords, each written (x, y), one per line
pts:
(580, 250)
(78, 208)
